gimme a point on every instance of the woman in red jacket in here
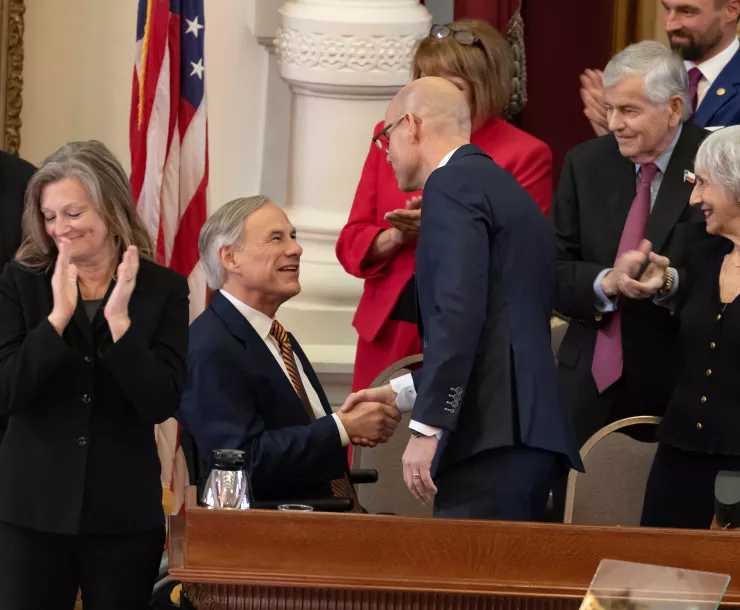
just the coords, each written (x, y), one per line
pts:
(379, 240)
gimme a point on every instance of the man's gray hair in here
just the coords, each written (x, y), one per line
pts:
(719, 156)
(663, 71)
(225, 228)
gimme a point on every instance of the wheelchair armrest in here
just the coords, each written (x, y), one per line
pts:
(324, 505)
(358, 476)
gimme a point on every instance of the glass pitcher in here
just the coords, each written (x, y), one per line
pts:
(228, 485)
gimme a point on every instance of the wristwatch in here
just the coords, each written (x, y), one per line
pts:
(417, 434)
(670, 277)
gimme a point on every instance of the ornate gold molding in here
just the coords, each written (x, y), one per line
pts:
(11, 72)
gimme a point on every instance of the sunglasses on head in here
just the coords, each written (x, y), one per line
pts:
(465, 37)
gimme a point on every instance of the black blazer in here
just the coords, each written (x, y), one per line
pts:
(14, 176)
(79, 454)
(703, 413)
(589, 211)
(238, 397)
(484, 268)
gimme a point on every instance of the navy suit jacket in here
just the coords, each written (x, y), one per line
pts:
(485, 273)
(721, 105)
(238, 397)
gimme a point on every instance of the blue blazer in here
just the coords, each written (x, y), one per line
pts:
(721, 105)
(238, 397)
(485, 272)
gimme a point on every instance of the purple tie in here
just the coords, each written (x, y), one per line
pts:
(695, 76)
(607, 363)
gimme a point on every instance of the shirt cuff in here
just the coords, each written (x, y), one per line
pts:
(342, 432)
(425, 429)
(603, 304)
(406, 392)
(667, 300)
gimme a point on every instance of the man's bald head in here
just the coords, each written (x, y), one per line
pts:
(426, 121)
(437, 102)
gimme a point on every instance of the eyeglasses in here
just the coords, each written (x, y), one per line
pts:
(382, 139)
(465, 37)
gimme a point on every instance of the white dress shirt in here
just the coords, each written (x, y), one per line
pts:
(711, 69)
(262, 325)
(404, 386)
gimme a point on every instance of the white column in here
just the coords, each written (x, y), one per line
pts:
(344, 60)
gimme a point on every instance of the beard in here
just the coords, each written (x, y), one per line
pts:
(691, 49)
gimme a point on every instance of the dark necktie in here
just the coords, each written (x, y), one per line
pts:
(341, 488)
(607, 363)
(695, 76)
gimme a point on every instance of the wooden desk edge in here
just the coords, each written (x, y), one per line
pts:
(180, 571)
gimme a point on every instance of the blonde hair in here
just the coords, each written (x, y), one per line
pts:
(485, 65)
(98, 171)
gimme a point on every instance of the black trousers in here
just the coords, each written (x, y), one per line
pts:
(42, 571)
(509, 484)
(680, 488)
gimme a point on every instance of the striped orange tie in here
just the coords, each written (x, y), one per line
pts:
(341, 488)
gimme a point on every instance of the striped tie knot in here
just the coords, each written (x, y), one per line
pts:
(277, 331)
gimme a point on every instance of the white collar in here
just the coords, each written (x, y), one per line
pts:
(447, 157)
(711, 68)
(259, 321)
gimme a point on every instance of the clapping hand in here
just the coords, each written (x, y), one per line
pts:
(407, 220)
(63, 288)
(627, 266)
(116, 309)
(650, 282)
(592, 96)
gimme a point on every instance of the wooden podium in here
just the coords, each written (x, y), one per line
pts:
(323, 561)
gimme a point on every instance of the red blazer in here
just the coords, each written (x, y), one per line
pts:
(528, 159)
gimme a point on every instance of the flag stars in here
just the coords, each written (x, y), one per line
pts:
(198, 68)
(193, 26)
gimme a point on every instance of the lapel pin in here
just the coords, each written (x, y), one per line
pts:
(721, 91)
(689, 176)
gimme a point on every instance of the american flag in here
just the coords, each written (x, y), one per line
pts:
(169, 165)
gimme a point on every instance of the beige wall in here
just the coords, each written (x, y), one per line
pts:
(78, 69)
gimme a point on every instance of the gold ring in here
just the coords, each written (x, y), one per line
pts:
(416, 475)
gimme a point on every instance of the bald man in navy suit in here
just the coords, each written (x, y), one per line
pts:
(489, 431)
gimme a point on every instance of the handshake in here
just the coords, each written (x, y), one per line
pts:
(623, 279)
(370, 416)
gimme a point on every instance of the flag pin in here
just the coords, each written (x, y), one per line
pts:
(689, 177)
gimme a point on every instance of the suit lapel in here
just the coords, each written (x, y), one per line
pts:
(244, 332)
(674, 193)
(713, 102)
(623, 191)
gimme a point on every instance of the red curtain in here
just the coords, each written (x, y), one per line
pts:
(496, 12)
(560, 45)
(557, 46)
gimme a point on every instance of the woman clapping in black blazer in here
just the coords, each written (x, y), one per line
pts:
(700, 432)
(93, 343)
